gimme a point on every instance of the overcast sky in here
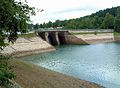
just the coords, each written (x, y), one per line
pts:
(67, 9)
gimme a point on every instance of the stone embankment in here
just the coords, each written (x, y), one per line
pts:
(97, 38)
(28, 46)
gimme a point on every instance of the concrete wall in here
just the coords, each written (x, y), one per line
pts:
(71, 39)
(60, 37)
(29, 46)
(98, 38)
(53, 37)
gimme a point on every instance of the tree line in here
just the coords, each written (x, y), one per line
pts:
(103, 19)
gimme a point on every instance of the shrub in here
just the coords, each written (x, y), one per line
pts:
(5, 71)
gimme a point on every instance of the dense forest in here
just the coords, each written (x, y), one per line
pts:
(103, 19)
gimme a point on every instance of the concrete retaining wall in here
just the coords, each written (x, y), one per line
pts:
(94, 41)
(71, 39)
(99, 38)
(28, 46)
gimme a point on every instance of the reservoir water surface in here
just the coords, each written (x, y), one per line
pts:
(99, 63)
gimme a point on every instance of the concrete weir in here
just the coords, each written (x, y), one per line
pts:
(60, 37)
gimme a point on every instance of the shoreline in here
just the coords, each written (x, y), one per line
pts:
(31, 52)
(33, 76)
(36, 45)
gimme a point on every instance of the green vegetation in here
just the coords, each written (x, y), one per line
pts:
(77, 33)
(5, 72)
(117, 34)
(14, 18)
(117, 21)
(108, 22)
(107, 19)
(27, 35)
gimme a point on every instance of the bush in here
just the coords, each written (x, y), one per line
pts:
(5, 72)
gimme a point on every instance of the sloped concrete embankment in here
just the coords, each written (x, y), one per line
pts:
(72, 39)
(28, 46)
(99, 38)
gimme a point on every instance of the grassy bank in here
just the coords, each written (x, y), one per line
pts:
(32, 76)
(116, 34)
(82, 33)
(27, 35)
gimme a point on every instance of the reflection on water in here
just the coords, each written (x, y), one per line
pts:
(98, 63)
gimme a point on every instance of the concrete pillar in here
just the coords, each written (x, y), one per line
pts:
(46, 36)
(57, 38)
(61, 36)
(53, 38)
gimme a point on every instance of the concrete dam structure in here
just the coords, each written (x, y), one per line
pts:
(44, 40)
(60, 37)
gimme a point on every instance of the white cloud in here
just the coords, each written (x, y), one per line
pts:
(67, 9)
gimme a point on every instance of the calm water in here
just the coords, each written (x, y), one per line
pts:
(98, 63)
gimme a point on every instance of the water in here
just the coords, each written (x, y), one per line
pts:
(98, 63)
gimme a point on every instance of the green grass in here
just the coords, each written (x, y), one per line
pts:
(27, 35)
(116, 34)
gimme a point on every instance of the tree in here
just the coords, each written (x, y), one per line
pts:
(101, 19)
(30, 27)
(57, 23)
(44, 25)
(108, 22)
(41, 25)
(118, 11)
(14, 18)
(96, 22)
(117, 21)
(71, 24)
(85, 23)
(36, 26)
(49, 24)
